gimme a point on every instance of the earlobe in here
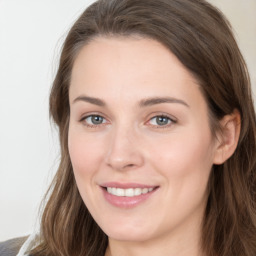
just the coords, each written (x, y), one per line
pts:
(228, 137)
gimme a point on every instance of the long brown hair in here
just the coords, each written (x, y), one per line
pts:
(201, 38)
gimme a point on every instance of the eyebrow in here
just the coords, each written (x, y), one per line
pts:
(91, 100)
(142, 103)
(160, 100)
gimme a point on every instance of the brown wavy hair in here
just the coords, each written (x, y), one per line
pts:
(201, 38)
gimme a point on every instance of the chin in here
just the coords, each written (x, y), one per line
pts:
(129, 233)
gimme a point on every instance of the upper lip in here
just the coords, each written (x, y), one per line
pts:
(126, 185)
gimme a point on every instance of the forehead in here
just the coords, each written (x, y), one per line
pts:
(134, 66)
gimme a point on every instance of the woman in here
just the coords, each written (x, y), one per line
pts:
(157, 133)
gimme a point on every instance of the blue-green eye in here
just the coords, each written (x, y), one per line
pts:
(160, 121)
(94, 120)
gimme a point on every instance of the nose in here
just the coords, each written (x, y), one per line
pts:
(124, 150)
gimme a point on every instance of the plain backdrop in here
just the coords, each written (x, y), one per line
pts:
(31, 35)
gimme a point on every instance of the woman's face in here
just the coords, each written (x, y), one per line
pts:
(139, 139)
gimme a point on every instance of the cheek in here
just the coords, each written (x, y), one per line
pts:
(84, 154)
(184, 156)
(186, 163)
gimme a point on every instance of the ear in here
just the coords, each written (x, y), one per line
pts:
(228, 137)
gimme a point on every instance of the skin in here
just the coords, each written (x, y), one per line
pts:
(130, 145)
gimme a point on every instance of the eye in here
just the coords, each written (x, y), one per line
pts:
(161, 121)
(94, 120)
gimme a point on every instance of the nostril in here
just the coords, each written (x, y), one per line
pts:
(129, 165)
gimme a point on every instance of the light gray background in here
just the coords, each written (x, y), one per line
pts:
(31, 34)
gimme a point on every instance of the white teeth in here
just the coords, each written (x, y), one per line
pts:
(120, 192)
(129, 192)
(137, 191)
(144, 190)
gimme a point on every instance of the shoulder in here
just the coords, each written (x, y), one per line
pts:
(11, 247)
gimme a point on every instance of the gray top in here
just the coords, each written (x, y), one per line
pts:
(11, 247)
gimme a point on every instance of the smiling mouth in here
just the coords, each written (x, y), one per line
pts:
(127, 195)
(129, 192)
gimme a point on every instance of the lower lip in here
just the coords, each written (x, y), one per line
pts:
(125, 201)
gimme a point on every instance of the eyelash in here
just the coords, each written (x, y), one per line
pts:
(83, 120)
(170, 120)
